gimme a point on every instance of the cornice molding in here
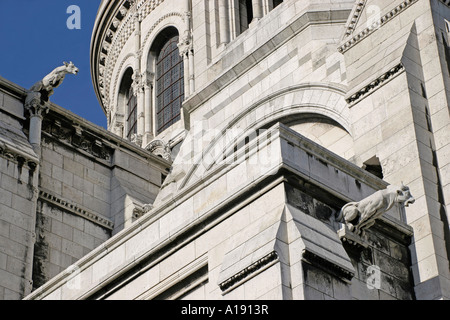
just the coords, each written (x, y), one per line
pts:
(354, 17)
(74, 208)
(76, 136)
(13, 154)
(328, 266)
(352, 41)
(375, 84)
(251, 270)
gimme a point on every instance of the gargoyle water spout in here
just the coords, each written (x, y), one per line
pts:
(359, 216)
(43, 89)
(36, 100)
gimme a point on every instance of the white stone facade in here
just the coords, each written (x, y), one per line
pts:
(290, 110)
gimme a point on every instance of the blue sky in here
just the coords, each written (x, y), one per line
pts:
(34, 39)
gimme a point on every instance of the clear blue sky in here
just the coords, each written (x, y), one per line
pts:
(34, 39)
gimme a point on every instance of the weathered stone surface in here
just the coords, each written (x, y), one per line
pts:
(248, 207)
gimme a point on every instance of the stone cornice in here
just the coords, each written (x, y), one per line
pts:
(354, 17)
(249, 271)
(353, 40)
(76, 136)
(13, 89)
(92, 132)
(375, 84)
(324, 264)
(13, 154)
(74, 208)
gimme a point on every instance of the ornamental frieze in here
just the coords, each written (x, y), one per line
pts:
(76, 136)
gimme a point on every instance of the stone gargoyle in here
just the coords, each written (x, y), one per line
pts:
(43, 89)
(359, 216)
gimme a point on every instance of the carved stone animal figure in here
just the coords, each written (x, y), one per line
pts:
(359, 216)
(53, 80)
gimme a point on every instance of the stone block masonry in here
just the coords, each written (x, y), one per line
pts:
(18, 194)
(56, 208)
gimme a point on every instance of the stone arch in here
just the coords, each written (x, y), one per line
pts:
(310, 98)
(326, 101)
(126, 63)
(156, 45)
(160, 34)
(167, 22)
(122, 91)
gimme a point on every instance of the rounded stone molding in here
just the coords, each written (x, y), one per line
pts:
(323, 99)
(125, 63)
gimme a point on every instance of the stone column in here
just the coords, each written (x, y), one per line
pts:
(148, 109)
(267, 6)
(184, 48)
(141, 110)
(138, 91)
(137, 38)
(191, 70)
(224, 22)
(37, 109)
(257, 10)
(138, 87)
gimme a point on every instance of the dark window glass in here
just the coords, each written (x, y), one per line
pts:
(170, 85)
(276, 3)
(132, 113)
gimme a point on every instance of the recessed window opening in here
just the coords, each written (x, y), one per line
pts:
(132, 113)
(245, 14)
(126, 112)
(169, 84)
(373, 166)
(276, 3)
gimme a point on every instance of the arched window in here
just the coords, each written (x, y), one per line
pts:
(131, 113)
(126, 113)
(169, 84)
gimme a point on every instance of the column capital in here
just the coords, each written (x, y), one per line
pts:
(35, 105)
(137, 17)
(183, 46)
(138, 84)
(148, 79)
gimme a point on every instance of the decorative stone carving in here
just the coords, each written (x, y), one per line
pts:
(356, 14)
(374, 85)
(245, 273)
(136, 139)
(160, 149)
(43, 89)
(148, 79)
(74, 208)
(359, 216)
(76, 136)
(15, 155)
(36, 101)
(375, 26)
(139, 211)
(138, 84)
